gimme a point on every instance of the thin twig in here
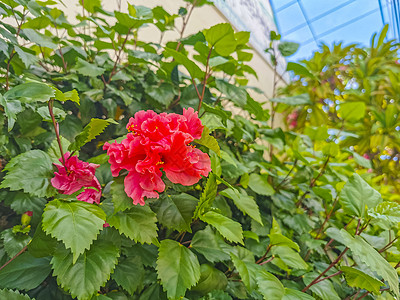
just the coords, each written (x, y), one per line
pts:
(14, 257)
(50, 105)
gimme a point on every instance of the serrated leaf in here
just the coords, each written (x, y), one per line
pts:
(11, 109)
(25, 272)
(90, 271)
(119, 197)
(210, 279)
(67, 96)
(276, 239)
(357, 195)
(193, 69)
(386, 214)
(247, 271)
(291, 294)
(31, 172)
(54, 150)
(259, 184)
(90, 132)
(87, 69)
(228, 228)
(358, 279)
(290, 257)
(137, 223)
(176, 211)
(30, 92)
(209, 141)
(372, 258)
(323, 289)
(26, 57)
(38, 38)
(211, 245)
(222, 38)
(232, 92)
(129, 274)
(13, 295)
(163, 94)
(14, 242)
(177, 268)
(244, 202)
(207, 197)
(76, 223)
(269, 286)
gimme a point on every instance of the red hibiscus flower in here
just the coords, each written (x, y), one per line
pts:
(77, 174)
(159, 142)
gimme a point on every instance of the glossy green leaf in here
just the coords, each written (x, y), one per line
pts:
(42, 244)
(163, 94)
(269, 286)
(13, 295)
(259, 184)
(209, 141)
(75, 223)
(88, 69)
(244, 202)
(14, 242)
(39, 38)
(191, 67)
(11, 109)
(386, 214)
(359, 279)
(247, 271)
(90, 132)
(357, 196)
(25, 272)
(31, 172)
(299, 69)
(323, 289)
(67, 96)
(373, 259)
(288, 48)
(129, 274)
(232, 92)
(210, 279)
(290, 257)
(119, 198)
(277, 239)
(222, 38)
(228, 228)
(30, 92)
(207, 197)
(176, 211)
(137, 223)
(177, 268)
(89, 272)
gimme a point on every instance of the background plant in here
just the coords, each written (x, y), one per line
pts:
(312, 221)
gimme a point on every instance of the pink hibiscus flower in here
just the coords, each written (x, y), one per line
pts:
(74, 175)
(159, 142)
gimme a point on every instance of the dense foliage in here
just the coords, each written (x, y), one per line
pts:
(305, 213)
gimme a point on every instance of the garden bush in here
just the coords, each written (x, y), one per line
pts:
(125, 176)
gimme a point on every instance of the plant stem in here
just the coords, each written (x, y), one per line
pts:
(287, 175)
(330, 276)
(267, 261)
(15, 256)
(265, 255)
(327, 218)
(113, 71)
(326, 270)
(50, 104)
(185, 22)
(206, 76)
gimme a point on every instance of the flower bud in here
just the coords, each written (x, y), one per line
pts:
(26, 217)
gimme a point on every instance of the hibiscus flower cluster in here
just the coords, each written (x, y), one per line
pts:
(74, 175)
(159, 142)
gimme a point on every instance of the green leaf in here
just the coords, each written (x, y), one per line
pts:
(291, 294)
(13, 295)
(177, 268)
(71, 96)
(31, 172)
(42, 244)
(387, 214)
(30, 92)
(38, 38)
(163, 94)
(299, 69)
(193, 69)
(259, 184)
(207, 197)
(87, 69)
(76, 223)
(288, 48)
(25, 272)
(25, 56)
(323, 289)
(357, 195)
(372, 258)
(244, 202)
(228, 228)
(222, 38)
(302, 99)
(358, 279)
(362, 161)
(137, 223)
(277, 239)
(209, 141)
(11, 109)
(290, 257)
(91, 5)
(14, 242)
(210, 279)
(247, 271)
(232, 92)
(119, 197)
(54, 150)
(129, 274)
(352, 111)
(269, 286)
(90, 132)
(176, 211)
(90, 271)
(211, 245)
